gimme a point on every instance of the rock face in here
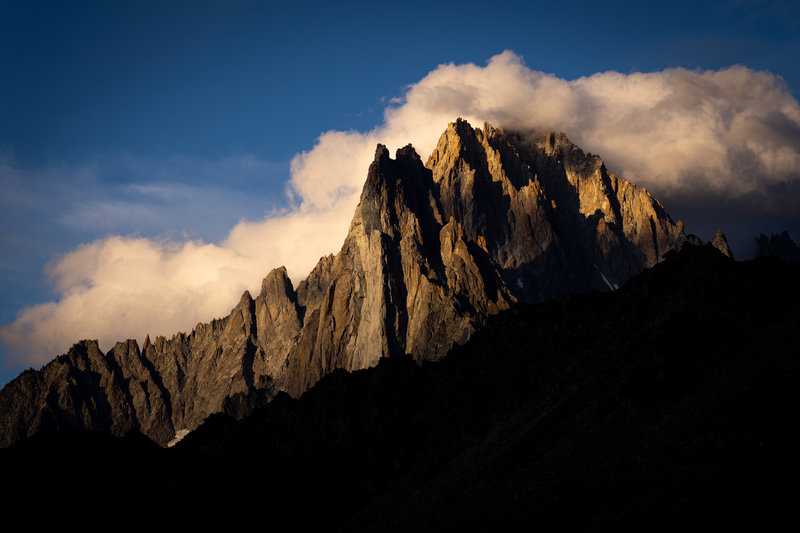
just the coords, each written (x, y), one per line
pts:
(721, 243)
(433, 250)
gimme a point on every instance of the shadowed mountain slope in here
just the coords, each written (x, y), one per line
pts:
(670, 403)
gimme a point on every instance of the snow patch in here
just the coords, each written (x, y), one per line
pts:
(612, 286)
(519, 283)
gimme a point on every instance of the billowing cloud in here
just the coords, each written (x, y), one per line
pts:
(732, 131)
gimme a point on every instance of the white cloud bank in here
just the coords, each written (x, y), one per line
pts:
(732, 131)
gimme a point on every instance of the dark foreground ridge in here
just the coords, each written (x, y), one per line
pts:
(670, 402)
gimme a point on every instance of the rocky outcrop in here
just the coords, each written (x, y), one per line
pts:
(85, 388)
(781, 246)
(433, 250)
(721, 243)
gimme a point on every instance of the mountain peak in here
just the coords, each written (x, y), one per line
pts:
(381, 152)
(494, 217)
(245, 299)
(461, 127)
(276, 276)
(721, 243)
(407, 152)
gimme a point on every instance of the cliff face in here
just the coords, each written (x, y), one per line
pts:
(433, 250)
(491, 219)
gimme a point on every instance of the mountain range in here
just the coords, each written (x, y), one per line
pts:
(492, 219)
(510, 334)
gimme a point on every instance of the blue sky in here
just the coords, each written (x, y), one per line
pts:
(175, 120)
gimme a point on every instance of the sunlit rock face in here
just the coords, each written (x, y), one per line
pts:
(721, 243)
(433, 250)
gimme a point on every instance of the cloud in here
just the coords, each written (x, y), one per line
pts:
(730, 132)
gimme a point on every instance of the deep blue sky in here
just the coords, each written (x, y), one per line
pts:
(82, 79)
(98, 95)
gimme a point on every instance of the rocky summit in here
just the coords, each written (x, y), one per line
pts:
(434, 249)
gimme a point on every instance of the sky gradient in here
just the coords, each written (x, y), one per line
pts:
(149, 125)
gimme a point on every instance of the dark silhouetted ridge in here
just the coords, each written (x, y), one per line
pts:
(668, 404)
(781, 246)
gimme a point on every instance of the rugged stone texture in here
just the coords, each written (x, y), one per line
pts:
(552, 218)
(721, 243)
(433, 250)
(86, 389)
